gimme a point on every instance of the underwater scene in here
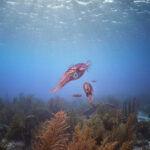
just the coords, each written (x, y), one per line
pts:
(74, 74)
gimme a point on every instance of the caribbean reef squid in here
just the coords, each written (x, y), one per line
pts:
(73, 73)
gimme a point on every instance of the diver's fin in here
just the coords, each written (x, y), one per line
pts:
(56, 89)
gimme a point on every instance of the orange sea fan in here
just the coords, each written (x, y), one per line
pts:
(128, 145)
(83, 139)
(107, 145)
(53, 136)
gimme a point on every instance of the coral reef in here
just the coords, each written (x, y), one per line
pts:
(15, 146)
(53, 136)
(129, 106)
(96, 124)
(113, 101)
(82, 139)
(122, 136)
(55, 105)
(143, 130)
(29, 129)
(73, 119)
(15, 130)
(24, 120)
(128, 145)
(106, 145)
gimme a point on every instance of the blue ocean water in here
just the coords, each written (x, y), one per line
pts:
(40, 39)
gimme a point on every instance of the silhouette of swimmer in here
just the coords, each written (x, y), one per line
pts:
(77, 95)
(88, 89)
(73, 73)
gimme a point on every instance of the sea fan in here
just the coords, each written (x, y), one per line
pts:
(83, 139)
(107, 145)
(53, 137)
(122, 137)
(128, 145)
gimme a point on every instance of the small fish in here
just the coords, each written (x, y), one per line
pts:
(88, 89)
(77, 95)
(93, 81)
(73, 73)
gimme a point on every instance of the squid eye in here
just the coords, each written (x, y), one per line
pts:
(75, 75)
